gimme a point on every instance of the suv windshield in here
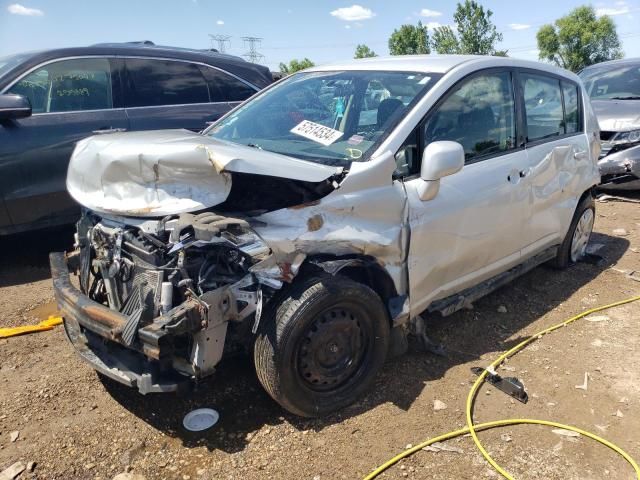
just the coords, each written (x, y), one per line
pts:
(326, 117)
(621, 83)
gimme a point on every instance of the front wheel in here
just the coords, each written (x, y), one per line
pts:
(574, 246)
(322, 346)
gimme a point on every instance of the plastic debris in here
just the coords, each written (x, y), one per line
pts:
(585, 383)
(14, 435)
(618, 414)
(621, 232)
(506, 437)
(565, 433)
(442, 447)
(439, 405)
(597, 318)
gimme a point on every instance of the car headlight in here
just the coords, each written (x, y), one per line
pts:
(632, 136)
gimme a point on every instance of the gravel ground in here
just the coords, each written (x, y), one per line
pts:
(75, 426)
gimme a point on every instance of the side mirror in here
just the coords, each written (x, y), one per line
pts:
(440, 159)
(13, 107)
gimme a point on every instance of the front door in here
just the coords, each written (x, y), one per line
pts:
(474, 227)
(70, 99)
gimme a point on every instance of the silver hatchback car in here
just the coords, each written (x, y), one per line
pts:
(317, 221)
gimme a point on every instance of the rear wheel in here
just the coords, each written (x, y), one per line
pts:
(322, 346)
(574, 246)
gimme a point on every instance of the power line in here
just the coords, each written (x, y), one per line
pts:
(221, 40)
(252, 43)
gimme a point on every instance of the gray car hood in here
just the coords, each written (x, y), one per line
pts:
(617, 115)
(165, 172)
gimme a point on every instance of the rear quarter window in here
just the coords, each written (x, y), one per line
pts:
(164, 82)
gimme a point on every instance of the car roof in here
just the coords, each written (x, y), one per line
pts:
(613, 63)
(438, 64)
(258, 75)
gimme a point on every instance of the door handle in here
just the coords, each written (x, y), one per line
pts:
(101, 131)
(524, 173)
(581, 155)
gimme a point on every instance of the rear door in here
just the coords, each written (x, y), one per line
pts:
(557, 149)
(475, 226)
(71, 99)
(162, 94)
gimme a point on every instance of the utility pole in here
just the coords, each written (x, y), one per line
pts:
(221, 40)
(252, 43)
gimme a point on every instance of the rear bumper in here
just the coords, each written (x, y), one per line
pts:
(96, 333)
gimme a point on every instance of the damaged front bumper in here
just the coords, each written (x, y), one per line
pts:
(621, 170)
(96, 332)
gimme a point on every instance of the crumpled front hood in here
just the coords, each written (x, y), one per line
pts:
(166, 172)
(617, 115)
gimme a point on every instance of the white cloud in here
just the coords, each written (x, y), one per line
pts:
(18, 9)
(433, 25)
(347, 26)
(620, 8)
(220, 22)
(353, 13)
(425, 12)
(519, 26)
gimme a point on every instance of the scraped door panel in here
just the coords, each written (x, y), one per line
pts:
(556, 169)
(472, 230)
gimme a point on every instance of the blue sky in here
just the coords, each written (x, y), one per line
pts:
(323, 31)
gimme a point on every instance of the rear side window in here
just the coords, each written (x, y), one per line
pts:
(543, 106)
(570, 95)
(224, 87)
(68, 86)
(164, 82)
(479, 114)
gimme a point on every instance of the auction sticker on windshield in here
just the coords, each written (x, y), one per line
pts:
(316, 132)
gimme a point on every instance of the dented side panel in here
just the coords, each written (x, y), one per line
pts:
(365, 216)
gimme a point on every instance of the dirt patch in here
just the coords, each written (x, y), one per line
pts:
(75, 426)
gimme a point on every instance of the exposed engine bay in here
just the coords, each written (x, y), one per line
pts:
(179, 281)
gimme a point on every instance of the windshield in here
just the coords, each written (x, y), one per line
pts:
(621, 83)
(7, 63)
(327, 117)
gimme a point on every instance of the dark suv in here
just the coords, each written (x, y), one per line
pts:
(49, 100)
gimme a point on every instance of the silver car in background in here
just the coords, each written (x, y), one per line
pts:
(614, 88)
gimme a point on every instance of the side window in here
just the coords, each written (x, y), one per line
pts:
(479, 114)
(68, 85)
(570, 94)
(224, 87)
(164, 82)
(543, 106)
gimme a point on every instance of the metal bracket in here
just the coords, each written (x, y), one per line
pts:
(509, 385)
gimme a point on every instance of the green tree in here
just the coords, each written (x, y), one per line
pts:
(295, 65)
(444, 41)
(476, 33)
(409, 40)
(579, 39)
(362, 51)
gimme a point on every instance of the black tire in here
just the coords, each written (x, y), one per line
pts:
(322, 345)
(563, 258)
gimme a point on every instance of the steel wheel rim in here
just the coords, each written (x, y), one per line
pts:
(333, 350)
(581, 235)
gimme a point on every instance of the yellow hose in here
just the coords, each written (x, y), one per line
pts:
(48, 324)
(472, 429)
